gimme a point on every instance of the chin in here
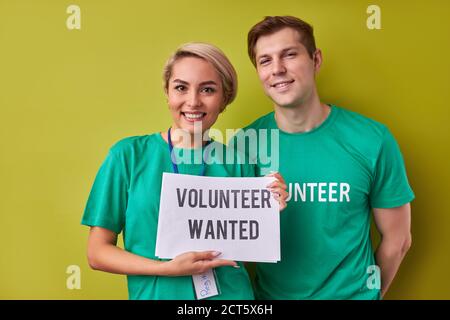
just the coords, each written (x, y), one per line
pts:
(285, 104)
(189, 128)
(291, 102)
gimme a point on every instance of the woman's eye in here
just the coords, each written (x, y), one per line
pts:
(209, 90)
(180, 88)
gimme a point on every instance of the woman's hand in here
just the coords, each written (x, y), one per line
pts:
(278, 189)
(190, 263)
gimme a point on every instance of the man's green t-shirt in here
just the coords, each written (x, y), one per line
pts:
(336, 173)
(125, 198)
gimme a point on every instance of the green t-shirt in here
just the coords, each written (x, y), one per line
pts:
(336, 174)
(125, 198)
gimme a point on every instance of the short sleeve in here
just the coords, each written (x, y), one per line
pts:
(390, 186)
(107, 202)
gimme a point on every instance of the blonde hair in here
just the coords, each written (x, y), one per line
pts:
(213, 55)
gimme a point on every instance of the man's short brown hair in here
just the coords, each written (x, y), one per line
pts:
(273, 24)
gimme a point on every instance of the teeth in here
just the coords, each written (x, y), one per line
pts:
(282, 84)
(193, 115)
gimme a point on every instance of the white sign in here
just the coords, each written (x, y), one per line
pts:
(236, 216)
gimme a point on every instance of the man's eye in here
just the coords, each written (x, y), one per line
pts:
(264, 61)
(180, 88)
(291, 54)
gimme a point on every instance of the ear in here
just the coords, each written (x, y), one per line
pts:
(317, 59)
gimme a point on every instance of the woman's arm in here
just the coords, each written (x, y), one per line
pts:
(104, 255)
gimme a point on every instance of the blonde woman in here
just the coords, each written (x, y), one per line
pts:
(199, 82)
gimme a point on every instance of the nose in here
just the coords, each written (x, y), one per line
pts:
(278, 67)
(194, 100)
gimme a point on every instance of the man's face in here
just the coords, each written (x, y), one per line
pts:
(285, 68)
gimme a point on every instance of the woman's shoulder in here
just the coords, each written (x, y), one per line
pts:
(136, 144)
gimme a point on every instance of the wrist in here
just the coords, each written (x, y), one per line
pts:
(163, 268)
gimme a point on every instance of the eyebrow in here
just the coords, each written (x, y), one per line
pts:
(209, 82)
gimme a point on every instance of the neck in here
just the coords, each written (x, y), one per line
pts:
(302, 118)
(183, 139)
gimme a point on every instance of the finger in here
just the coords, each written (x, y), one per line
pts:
(276, 196)
(281, 185)
(282, 204)
(206, 255)
(271, 173)
(277, 184)
(281, 199)
(272, 184)
(280, 178)
(284, 194)
(276, 175)
(279, 193)
(220, 263)
(277, 188)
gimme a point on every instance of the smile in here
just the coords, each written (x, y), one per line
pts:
(193, 116)
(282, 84)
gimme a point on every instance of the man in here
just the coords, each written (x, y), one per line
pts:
(339, 166)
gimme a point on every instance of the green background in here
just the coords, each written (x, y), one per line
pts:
(67, 95)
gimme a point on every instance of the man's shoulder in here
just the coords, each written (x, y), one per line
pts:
(356, 122)
(360, 132)
(263, 122)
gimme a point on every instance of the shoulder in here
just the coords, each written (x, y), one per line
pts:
(357, 125)
(134, 145)
(359, 121)
(262, 122)
(360, 134)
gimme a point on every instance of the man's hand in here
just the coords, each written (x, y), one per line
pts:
(278, 189)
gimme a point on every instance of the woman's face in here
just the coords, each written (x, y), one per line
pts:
(195, 94)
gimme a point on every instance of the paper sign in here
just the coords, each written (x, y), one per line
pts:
(236, 216)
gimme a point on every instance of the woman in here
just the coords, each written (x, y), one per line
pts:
(199, 83)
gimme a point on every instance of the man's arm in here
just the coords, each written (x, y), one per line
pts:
(394, 225)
